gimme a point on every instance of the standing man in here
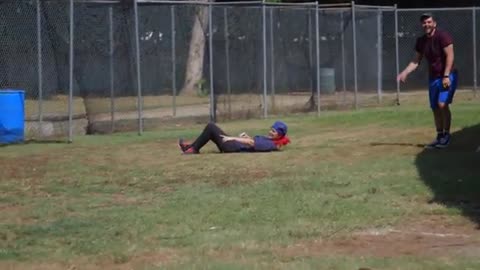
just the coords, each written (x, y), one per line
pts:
(436, 45)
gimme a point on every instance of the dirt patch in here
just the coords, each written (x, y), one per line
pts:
(157, 259)
(13, 214)
(22, 176)
(23, 167)
(117, 262)
(436, 236)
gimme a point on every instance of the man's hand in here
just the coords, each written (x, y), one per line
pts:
(446, 83)
(226, 138)
(244, 135)
(402, 77)
(248, 141)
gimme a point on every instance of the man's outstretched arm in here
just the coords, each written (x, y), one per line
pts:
(248, 141)
(410, 68)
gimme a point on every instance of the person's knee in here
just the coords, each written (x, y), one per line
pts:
(211, 126)
(442, 106)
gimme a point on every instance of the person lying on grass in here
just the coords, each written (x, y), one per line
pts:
(275, 140)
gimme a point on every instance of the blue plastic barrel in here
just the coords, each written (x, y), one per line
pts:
(12, 119)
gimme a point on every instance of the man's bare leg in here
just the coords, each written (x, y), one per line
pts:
(439, 125)
(438, 117)
(446, 117)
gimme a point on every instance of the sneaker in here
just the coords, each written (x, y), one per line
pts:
(190, 150)
(183, 145)
(186, 148)
(435, 142)
(444, 141)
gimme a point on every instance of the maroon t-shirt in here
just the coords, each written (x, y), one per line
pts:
(432, 49)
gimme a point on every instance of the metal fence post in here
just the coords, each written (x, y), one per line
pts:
(354, 29)
(210, 48)
(111, 67)
(174, 63)
(397, 57)
(317, 43)
(272, 61)
(310, 47)
(70, 77)
(227, 58)
(137, 64)
(40, 67)
(264, 43)
(379, 55)
(344, 82)
(474, 13)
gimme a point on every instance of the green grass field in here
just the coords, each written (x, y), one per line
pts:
(354, 190)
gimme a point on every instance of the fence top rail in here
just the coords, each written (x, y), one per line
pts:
(335, 5)
(91, 1)
(370, 7)
(291, 8)
(339, 9)
(193, 2)
(179, 2)
(236, 3)
(373, 6)
(439, 9)
(312, 6)
(251, 3)
(260, 2)
(291, 4)
(187, 2)
(233, 3)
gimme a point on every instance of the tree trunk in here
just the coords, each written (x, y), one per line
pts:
(194, 69)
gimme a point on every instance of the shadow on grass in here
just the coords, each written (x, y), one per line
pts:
(453, 174)
(36, 141)
(400, 144)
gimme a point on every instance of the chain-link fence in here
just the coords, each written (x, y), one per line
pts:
(106, 66)
(18, 52)
(235, 48)
(459, 23)
(291, 57)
